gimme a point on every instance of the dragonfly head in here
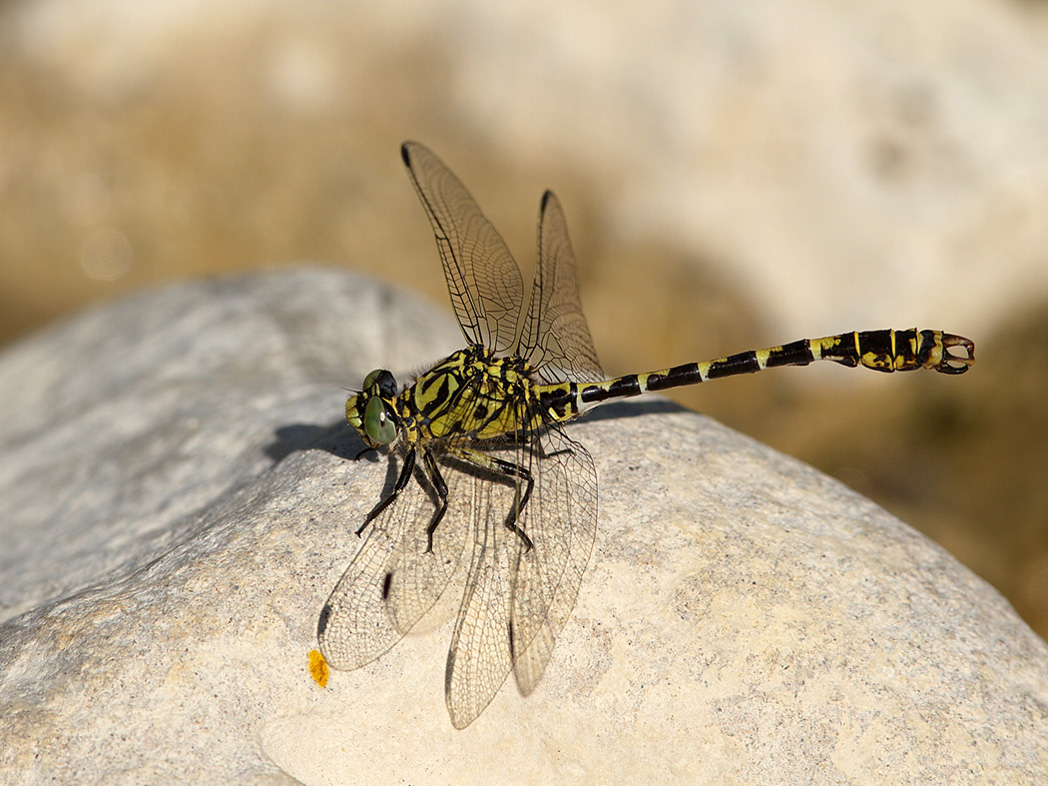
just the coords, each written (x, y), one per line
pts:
(371, 411)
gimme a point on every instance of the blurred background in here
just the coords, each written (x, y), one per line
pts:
(735, 175)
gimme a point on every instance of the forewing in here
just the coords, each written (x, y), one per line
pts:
(556, 339)
(561, 520)
(393, 580)
(483, 278)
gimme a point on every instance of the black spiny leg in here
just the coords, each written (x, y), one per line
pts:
(402, 480)
(512, 470)
(509, 469)
(442, 492)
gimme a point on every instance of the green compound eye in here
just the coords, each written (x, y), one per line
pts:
(377, 426)
(380, 382)
(369, 380)
(353, 414)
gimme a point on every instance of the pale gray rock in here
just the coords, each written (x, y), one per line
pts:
(177, 500)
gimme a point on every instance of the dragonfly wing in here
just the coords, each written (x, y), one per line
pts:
(556, 339)
(479, 659)
(561, 520)
(483, 278)
(393, 580)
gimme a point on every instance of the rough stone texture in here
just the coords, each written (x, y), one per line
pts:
(176, 502)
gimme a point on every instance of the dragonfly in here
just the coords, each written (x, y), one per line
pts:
(495, 473)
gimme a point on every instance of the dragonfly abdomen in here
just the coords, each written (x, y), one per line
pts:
(896, 350)
(881, 350)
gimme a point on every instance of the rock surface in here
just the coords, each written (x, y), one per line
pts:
(176, 502)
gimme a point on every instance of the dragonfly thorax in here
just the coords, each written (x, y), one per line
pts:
(372, 412)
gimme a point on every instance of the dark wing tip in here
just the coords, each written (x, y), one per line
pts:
(449, 669)
(546, 197)
(322, 623)
(405, 153)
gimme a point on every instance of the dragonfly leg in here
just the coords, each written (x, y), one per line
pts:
(442, 492)
(364, 452)
(512, 470)
(561, 452)
(402, 480)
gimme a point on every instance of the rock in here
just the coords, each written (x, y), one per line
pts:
(177, 500)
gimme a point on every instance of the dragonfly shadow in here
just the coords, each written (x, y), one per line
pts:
(620, 410)
(338, 439)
